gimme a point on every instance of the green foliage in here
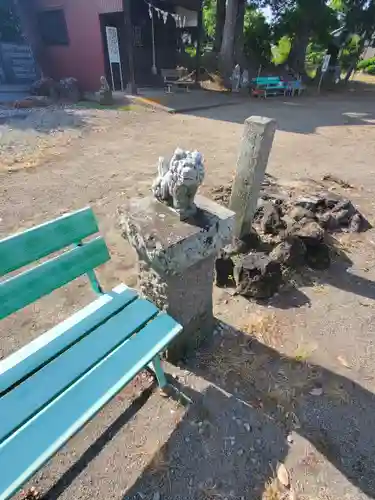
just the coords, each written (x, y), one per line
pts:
(314, 54)
(350, 52)
(357, 17)
(257, 36)
(367, 66)
(366, 63)
(314, 58)
(305, 17)
(191, 51)
(209, 18)
(281, 50)
(297, 24)
(257, 33)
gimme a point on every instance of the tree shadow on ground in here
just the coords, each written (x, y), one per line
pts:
(300, 115)
(339, 275)
(291, 298)
(235, 429)
(233, 435)
(222, 448)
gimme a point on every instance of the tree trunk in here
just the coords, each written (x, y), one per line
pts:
(220, 21)
(239, 35)
(226, 59)
(297, 54)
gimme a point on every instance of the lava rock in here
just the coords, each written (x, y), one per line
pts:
(46, 87)
(272, 221)
(328, 201)
(69, 89)
(318, 256)
(259, 212)
(345, 205)
(257, 276)
(297, 213)
(308, 202)
(308, 230)
(356, 223)
(224, 267)
(341, 218)
(244, 244)
(290, 252)
(328, 222)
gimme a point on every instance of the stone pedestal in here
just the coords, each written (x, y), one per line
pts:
(105, 97)
(176, 262)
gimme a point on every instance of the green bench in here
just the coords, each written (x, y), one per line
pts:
(266, 80)
(54, 385)
(267, 85)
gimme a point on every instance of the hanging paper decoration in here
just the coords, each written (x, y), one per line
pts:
(179, 21)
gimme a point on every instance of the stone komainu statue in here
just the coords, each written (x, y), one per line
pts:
(177, 182)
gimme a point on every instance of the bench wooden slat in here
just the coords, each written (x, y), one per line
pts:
(25, 451)
(29, 286)
(35, 354)
(21, 249)
(20, 404)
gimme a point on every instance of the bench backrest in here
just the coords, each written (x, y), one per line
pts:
(266, 79)
(172, 74)
(39, 242)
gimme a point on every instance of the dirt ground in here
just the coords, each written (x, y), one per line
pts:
(290, 381)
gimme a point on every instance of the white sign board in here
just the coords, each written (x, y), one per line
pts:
(325, 64)
(112, 43)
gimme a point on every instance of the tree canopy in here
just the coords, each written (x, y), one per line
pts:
(239, 29)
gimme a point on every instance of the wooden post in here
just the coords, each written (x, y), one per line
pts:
(129, 44)
(199, 41)
(252, 162)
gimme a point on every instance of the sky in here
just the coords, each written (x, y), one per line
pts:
(267, 12)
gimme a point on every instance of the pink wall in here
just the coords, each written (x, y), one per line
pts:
(83, 58)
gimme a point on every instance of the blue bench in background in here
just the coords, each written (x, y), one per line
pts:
(51, 387)
(265, 80)
(274, 85)
(295, 87)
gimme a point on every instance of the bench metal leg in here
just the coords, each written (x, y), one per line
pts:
(156, 367)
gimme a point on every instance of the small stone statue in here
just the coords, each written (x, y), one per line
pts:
(177, 182)
(245, 81)
(104, 84)
(236, 78)
(105, 93)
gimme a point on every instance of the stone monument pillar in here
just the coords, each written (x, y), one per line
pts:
(176, 260)
(252, 162)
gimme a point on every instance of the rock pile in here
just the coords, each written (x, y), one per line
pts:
(67, 89)
(289, 232)
(257, 275)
